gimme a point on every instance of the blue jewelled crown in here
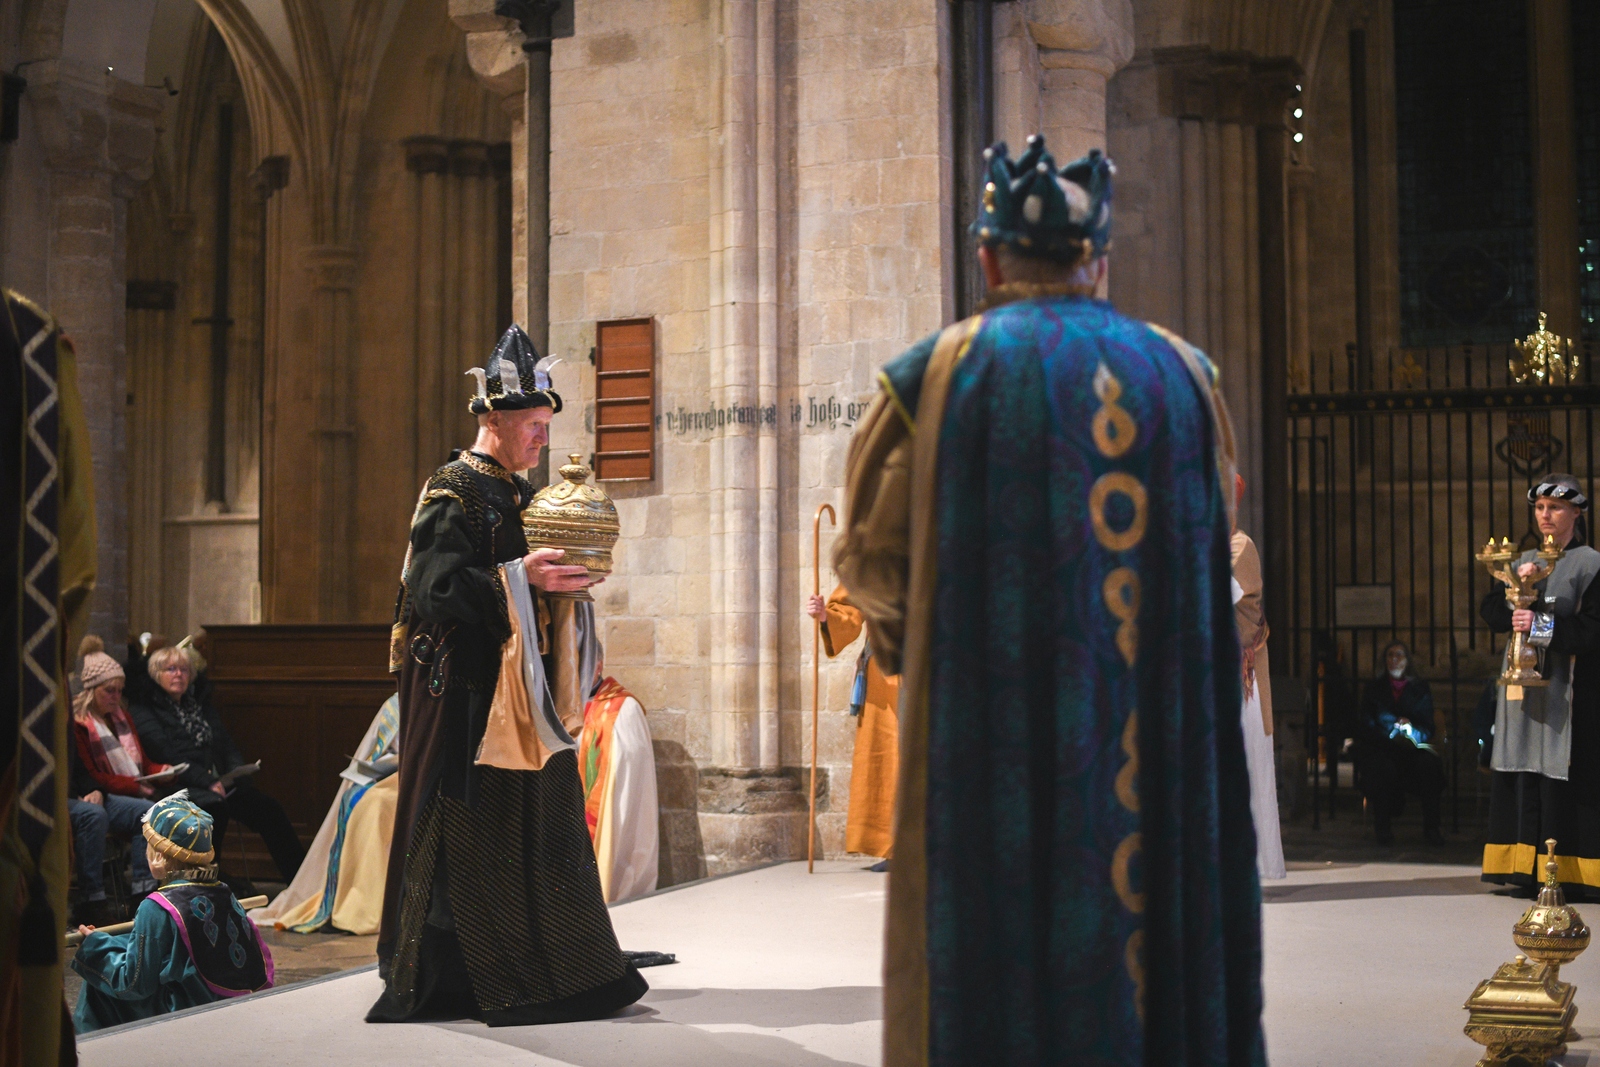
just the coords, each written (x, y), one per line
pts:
(1032, 207)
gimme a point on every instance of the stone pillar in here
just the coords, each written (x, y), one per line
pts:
(519, 215)
(743, 340)
(98, 134)
(427, 158)
(1555, 166)
(1188, 122)
(1272, 206)
(1300, 179)
(494, 51)
(455, 271)
(468, 332)
(1018, 78)
(332, 269)
(1081, 45)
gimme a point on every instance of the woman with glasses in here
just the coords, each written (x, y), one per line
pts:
(177, 726)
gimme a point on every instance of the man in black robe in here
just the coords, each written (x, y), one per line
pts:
(493, 908)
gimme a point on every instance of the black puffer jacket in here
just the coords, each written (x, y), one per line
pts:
(165, 739)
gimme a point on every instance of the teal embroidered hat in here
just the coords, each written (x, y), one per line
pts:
(1030, 206)
(179, 830)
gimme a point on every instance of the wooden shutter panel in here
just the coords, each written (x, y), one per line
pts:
(625, 401)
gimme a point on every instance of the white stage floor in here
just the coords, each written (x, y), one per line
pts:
(1364, 964)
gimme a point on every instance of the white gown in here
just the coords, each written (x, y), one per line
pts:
(629, 843)
(1263, 781)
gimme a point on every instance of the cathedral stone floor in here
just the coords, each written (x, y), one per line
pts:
(1366, 962)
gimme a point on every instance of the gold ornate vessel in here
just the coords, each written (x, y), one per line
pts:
(1523, 1014)
(1551, 930)
(577, 518)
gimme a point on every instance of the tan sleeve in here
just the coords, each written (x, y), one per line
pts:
(843, 624)
(872, 554)
(1247, 572)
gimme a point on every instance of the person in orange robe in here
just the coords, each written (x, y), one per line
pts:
(616, 765)
(869, 828)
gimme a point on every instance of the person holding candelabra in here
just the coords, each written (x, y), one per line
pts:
(1546, 758)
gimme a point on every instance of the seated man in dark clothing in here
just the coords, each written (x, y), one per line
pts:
(175, 726)
(1392, 753)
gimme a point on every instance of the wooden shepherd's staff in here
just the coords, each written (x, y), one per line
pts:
(816, 668)
(74, 938)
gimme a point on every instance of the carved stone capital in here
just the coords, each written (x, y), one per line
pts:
(469, 159)
(494, 46)
(1077, 36)
(427, 155)
(1195, 82)
(88, 120)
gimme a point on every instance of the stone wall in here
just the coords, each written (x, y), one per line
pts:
(85, 145)
(767, 181)
(785, 233)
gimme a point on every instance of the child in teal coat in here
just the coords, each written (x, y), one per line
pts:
(191, 942)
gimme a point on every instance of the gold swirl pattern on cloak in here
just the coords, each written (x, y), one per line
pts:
(1122, 594)
(1114, 433)
(1133, 959)
(1100, 493)
(1127, 785)
(1114, 429)
(1121, 880)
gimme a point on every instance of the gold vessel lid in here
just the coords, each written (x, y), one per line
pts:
(1551, 929)
(573, 515)
(574, 497)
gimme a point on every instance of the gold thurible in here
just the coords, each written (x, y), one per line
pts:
(1523, 1014)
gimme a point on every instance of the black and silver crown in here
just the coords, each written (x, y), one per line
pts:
(516, 378)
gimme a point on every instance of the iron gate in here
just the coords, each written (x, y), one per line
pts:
(1392, 491)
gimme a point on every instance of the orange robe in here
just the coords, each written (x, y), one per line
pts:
(616, 767)
(869, 828)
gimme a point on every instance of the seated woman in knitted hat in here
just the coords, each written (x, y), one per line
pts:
(190, 944)
(111, 778)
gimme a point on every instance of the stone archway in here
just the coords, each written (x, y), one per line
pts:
(305, 76)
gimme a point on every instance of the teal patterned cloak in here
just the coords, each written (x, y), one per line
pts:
(1091, 891)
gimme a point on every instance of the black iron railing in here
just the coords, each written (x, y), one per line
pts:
(1393, 488)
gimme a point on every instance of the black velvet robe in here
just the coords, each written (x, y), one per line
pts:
(493, 907)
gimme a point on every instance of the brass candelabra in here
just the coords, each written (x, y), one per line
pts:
(1522, 662)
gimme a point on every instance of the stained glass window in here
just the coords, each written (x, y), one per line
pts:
(1586, 99)
(1465, 159)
